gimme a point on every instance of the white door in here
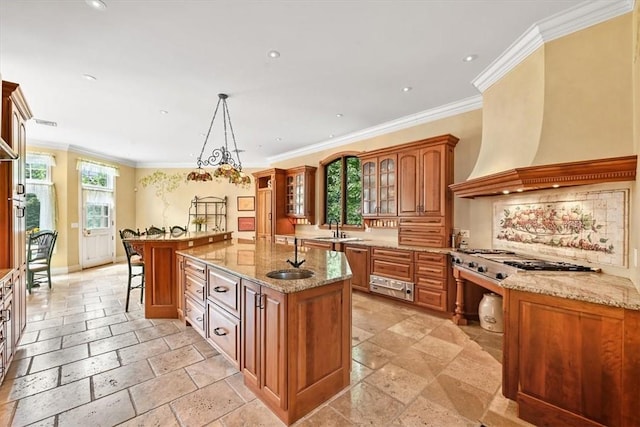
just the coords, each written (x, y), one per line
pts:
(97, 234)
(97, 188)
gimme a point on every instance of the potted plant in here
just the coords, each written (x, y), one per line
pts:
(198, 221)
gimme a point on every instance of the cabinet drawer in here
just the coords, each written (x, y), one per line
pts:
(436, 300)
(431, 257)
(437, 283)
(432, 270)
(392, 254)
(392, 269)
(320, 245)
(195, 268)
(224, 332)
(194, 287)
(194, 314)
(423, 221)
(427, 241)
(224, 289)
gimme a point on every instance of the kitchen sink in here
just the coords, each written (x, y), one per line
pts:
(290, 274)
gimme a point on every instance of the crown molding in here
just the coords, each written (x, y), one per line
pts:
(577, 18)
(192, 165)
(447, 110)
(79, 150)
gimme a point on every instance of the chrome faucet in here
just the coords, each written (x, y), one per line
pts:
(295, 263)
(336, 233)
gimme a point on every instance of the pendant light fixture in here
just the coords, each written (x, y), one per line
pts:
(228, 167)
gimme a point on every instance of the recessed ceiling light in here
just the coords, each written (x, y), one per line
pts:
(89, 77)
(164, 112)
(273, 54)
(406, 89)
(278, 139)
(339, 115)
(96, 4)
(331, 136)
(470, 58)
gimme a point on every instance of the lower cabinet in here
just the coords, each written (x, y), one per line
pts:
(223, 330)
(358, 257)
(432, 281)
(264, 357)
(571, 363)
(194, 296)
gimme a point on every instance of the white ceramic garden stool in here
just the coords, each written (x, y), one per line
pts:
(490, 312)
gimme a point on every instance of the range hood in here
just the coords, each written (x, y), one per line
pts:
(562, 116)
(6, 153)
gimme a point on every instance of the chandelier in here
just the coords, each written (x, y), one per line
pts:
(228, 167)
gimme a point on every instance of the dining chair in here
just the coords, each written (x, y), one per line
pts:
(39, 252)
(135, 262)
(154, 231)
(177, 230)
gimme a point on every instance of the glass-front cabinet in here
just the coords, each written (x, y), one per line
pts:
(300, 186)
(379, 186)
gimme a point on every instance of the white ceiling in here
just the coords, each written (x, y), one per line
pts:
(348, 57)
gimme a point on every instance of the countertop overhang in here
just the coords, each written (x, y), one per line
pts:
(254, 260)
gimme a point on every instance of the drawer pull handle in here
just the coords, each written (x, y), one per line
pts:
(199, 291)
(199, 319)
(218, 333)
(220, 289)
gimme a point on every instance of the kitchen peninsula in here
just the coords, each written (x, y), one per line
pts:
(162, 299)
(291, 339)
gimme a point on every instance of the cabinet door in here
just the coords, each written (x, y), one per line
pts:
(291, 192)
(387, 205)
(264, 214)
(273, 355)
(369, 188)
(250, 363)
(223, 330)
(359, 262)
(409, 183)
(180, 285)
(433, 179)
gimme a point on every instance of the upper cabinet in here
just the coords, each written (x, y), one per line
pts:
(271, 215)
(379, 174)
(301, 184)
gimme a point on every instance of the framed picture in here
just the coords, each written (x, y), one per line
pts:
(246, 223)
(246, 203)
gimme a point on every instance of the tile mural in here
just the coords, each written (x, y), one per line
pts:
(589, 226)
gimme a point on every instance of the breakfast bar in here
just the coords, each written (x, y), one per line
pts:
(162, 299)
(287, 329)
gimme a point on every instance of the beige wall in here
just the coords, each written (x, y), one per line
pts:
(65, 178)
(634, 240)
(149, 206)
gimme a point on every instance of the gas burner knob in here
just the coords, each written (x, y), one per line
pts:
(473, 264)
(482, 269)
(501, 276)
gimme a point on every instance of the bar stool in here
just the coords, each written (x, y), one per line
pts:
(134, 259)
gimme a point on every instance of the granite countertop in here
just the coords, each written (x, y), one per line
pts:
(254, 260)
(189, 235)
(597, 288)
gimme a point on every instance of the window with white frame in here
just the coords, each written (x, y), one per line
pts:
(97, 182)
(40, 192)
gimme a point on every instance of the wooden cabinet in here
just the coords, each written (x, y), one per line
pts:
(570, 362)
(392, 263)
(271, 200)
(425, 173)
(264, 329)
(301, 184)
(318, 244)
(223, 313)
(358, 257)
(379, 185)
(432, 281)
(180, 279)
(15, 114)
(296, 348)
(195, 282)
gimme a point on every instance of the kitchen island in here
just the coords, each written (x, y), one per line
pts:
(162, 299)
(291, 339)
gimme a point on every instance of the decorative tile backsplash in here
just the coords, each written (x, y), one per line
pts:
(590, 226)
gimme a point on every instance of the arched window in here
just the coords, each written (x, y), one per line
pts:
(343, 190)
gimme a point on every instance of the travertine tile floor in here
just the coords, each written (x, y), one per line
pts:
(83, 361)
